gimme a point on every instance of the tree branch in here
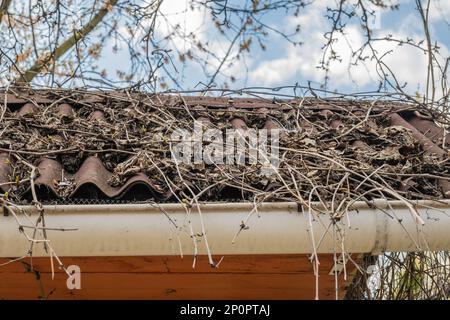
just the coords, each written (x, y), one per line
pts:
(4, 8)
(67, 44)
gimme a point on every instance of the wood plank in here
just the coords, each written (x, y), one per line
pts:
(230, 263)
(118, 281)
(239, 277)
(176, 286)
(181, 294)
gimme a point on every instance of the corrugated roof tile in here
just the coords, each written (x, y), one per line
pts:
(92, 178)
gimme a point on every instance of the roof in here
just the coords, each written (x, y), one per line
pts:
(97, 146)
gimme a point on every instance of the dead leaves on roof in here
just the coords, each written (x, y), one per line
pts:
(318, 150)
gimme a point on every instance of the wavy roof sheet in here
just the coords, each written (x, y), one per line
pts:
(117, 126)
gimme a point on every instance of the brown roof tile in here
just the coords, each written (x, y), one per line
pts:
(93, 180)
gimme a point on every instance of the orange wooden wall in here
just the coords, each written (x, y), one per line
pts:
(172, 277)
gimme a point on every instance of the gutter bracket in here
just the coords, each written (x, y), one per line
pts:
(380, 243)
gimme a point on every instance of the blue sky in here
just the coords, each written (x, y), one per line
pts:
(283, 64)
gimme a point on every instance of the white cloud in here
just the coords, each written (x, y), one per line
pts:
(290, 64)
(195, 25)
(300, 63)
(440, 10)
(190, 20)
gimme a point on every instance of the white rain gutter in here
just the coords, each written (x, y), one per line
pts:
(277, 228)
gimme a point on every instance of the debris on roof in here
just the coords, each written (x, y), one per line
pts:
(96, 145)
